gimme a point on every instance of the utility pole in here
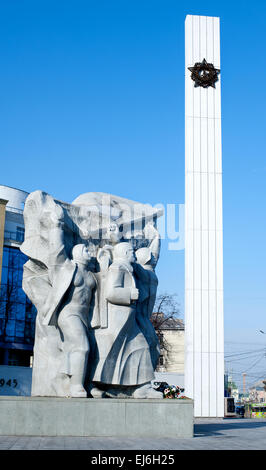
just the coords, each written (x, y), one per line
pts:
(244, 383)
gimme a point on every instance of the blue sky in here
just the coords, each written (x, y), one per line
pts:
(92, 99)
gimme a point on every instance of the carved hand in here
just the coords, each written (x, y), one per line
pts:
(150, 231)
(134, 294)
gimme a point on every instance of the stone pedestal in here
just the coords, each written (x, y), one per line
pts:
(40, 416)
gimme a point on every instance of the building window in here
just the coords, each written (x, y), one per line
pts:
(17, 313)
(20, 234)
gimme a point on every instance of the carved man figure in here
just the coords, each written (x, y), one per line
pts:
(121, 354)
(73, 318)
(69, 286)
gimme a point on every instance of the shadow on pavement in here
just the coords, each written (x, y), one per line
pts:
(214, 429)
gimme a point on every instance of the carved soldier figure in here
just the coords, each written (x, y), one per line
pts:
(121, 353)
(69, 287)
(73, 319)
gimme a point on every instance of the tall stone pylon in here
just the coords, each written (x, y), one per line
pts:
(204, 324)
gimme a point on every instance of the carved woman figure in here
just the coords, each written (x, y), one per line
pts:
(147, 283)
(121, 353)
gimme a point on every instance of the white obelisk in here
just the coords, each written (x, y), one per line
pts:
(204, 328)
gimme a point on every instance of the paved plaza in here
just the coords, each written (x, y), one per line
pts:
(210, 434)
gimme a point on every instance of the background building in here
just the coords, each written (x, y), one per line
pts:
(172, 346)
(17, 314)
(257, 393)
(171, 334)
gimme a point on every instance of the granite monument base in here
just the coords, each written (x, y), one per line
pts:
(44, 416)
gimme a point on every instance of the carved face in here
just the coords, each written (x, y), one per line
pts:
(86, 254)
(130, 255)
(125, 252)
(113, 233)
(81, 254)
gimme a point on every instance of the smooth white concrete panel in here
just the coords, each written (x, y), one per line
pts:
(204, 267)
(205, 260)
(197, 260)
(203, 54)
(210, 46)
(213, 320)
(220, 323)
(196, 58)
(211, 145)
(197, 323)
(216, 42)
(213, 385)
(219, 260)
(212, 201)
(196, 38)
(205, 392)
(204, 202)
(204, 143)
(189, 209)
(218, 202)
(196, 145)
(203, 36)
(216, 62)
(217, 100)
(218, 145)
(205, 335)
(197, 201)
(203, 102)
(212, 260)
(211, 99)
(196, 102)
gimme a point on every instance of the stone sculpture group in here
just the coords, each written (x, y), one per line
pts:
(91, 276)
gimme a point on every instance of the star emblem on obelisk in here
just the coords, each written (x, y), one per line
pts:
(204, 74)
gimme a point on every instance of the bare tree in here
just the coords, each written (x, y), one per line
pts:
(165, 316)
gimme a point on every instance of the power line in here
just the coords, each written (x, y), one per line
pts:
(256, 362)
(243, 359)
(245, 353)
(245, 343)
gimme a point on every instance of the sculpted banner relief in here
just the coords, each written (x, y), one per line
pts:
(91, 276)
